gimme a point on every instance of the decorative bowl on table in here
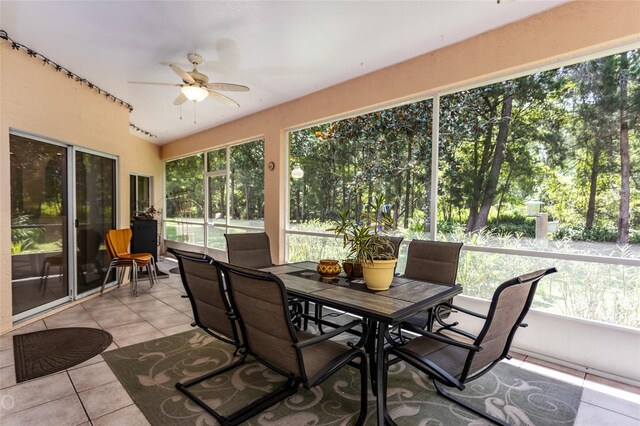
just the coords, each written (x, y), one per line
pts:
(352, 270)
(328, 269)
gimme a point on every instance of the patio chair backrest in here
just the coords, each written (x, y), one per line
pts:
(509, 305)
(211, 309)
(433, 261)
(188, 254)
(259, 299)
(394, 248)
(250, 250)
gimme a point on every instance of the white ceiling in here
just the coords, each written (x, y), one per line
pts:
(282, 50)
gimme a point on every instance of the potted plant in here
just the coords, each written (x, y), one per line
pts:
(365, 246)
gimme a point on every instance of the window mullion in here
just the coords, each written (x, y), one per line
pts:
(435, 137)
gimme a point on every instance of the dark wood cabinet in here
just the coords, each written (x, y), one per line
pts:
(145, 237)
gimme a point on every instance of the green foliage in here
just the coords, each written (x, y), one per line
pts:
(184, 187)
(24, 234)
(346, 162)
(51, 209)
(594, 234)
(21, 246)
(362, 238)
(185, 180)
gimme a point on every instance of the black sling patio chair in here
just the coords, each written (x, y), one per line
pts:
(452, 362)
(259, 300)
(436, 262)
(190, 255)
(209, 300)
(253, 250)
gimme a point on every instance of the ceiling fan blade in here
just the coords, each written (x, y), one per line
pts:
(227, 101)
(156, 84)
(180, 99)
(183, 74)
(228, 87)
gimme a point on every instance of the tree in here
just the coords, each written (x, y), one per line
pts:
(623, 221)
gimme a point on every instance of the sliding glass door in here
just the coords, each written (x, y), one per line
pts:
(39, 223)
(95, 195)
(63, 201)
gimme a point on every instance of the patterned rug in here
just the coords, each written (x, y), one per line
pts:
(150, 370)
(49, 351)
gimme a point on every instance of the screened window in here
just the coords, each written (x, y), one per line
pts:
(532, 172)
(347, 162)
(227, 197)
(184, 187)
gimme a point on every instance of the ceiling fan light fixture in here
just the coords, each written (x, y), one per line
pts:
(195, 93)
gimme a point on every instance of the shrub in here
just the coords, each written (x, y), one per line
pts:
(597, 234)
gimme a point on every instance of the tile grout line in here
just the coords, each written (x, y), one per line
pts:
(610, 410)
(78, 395)
(128, 307)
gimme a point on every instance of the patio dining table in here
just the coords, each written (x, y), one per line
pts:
(380, 309)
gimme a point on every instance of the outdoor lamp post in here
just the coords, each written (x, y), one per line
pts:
(534, 209)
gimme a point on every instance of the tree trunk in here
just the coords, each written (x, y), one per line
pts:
(427, 194)
(498, 159)
(593, 187)
(480, 172)
(625, 172)
(247, 203)
(505, 189)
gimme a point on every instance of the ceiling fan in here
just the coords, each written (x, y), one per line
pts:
(196, 87)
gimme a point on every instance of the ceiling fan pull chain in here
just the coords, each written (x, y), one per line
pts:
(195, 105)
(180, 111)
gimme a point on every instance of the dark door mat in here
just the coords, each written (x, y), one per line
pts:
(49, 351)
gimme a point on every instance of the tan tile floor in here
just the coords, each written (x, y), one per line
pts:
(89, 393)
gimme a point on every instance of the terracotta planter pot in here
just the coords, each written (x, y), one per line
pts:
(353, 270)
(379, 274)
(328, 269)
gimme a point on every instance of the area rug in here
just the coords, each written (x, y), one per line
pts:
(49, 351)
(149, 371)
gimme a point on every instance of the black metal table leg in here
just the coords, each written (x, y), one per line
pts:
(381, 392)
(370, 348)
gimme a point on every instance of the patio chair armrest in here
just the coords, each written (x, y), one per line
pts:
(442, 338)
(463, 310)
(330, 334)
(458, 331)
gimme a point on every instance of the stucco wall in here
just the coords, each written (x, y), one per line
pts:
(558, 35)
(36, 99)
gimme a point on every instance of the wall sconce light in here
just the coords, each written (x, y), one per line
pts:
(297, 171)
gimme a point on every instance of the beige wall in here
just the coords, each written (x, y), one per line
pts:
(559, 35)
(36, 99)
